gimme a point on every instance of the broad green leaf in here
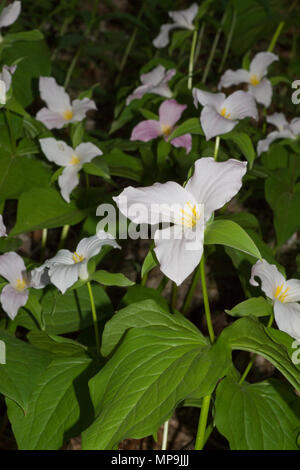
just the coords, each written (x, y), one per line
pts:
(163, 150)
(191, 126)
(261, 416)
(124, 165)
(111, 279)
(138, 293)
(34, 35)
(256, 306)
(57, 345)
(287, 216)
(97, 167)
(227, 232)
(280, 79)
(44, 208)
(244, 143)
(149, 263)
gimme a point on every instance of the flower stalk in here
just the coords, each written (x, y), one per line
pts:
(94, 315)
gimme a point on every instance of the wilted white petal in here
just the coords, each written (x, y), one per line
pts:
(287, 316)
(91, 246)
(215, 183)
(278, 120)
(12, 300)
(185, 18)
(264, 144)
(87, 151)
(295, 126)
(205, 98)
(54, 95)
(12, 267)
(9, 14)
(80, 108)
(39, 277)
(63, 276)
(240, 105)
(56, 151)
(214, 124)
(262, 92)
(2, 228)
(163, 39)
(68, 180)
(51, 119)
(153, 77)
(260, 63)
(234, 77)
(269, 275)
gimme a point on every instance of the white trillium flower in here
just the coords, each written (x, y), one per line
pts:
(182, 19)
(72, 159)
(179, 248)
(259, 86)
(2, 228)
(155, 82)
(9, 15)
(5, 81)
(65, 268)
(60, 110)
(284, 294)
(285, 130)
(220, 114)
(15, 294)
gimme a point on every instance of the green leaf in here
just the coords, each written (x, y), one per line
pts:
(191, 126)
(256, 306)
(124, 165)
(227, 232)
(244, 143)
(111, 279)
(261, 416)
(56, 345)
(163, 150)
(97, 167)
(287, 216)
(280, 79)
(44, 208)
(149, 263)
(138, 293)
(34, 35)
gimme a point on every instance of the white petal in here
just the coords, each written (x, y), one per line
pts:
(64, 276)
(6, 76)
(163, 39)
(62, 257)
(293, 293)
(12, 300)
(153, 77)
(91, 246)
(12, 267)
(240, 105)
(51, 119)
(39, 277)
(185, 18)
(57, 151)
(177, 256)
(260, 63)
(2, 228)
(67, 181)
(54, 95)
(264, 144)
(269, 275)
(295, 126)
(234, 77)
(262, 92)
(87, 151)
(10, 14)
(215, 100)
(287, 316)
(278, 120)
(138, 93)
(215, 183)
(214, 124)
(80, 108)
(2, 92)
(154, 204)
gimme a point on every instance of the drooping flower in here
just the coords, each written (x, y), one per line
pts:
(15, 294)
(285, 130)
(60, 110)
(5, 81)
(155, 82)
(182, 19)
(65, 268)
(284, 294)
(2, 228)
(72, 159)
(259, 86)
(9, 15)
(220, 114)
(179, 248)
(169, 113)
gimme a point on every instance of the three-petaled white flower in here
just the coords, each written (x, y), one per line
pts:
(15, 294)
(285, 130)
(65, 268)
(179, 248)
(220, 114)
(259, 86)
(9, 15)
(5, 81)
(284, 294)
(2, 227)
(60, 110)
(183, 19)
(155, 82)
(72, 159)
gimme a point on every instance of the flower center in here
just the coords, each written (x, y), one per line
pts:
(166, 130)
(280, 294)
(77, 258)
(74, 160)
(68, 114)
(254, 80)
(20, 284)
(190, 215)
(224, 113)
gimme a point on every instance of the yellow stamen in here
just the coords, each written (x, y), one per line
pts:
(279, 295)
(224, 113)
(190, 219)
(20, 284)
(254, 80)
(74, 160)
(68, 114)
(77, 258)
(166, 130)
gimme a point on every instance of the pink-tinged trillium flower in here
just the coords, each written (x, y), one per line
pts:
(65, 268)
(259, 86)
(72, 159)
(179, 248)
(15, 294)
(9, 15)
(284, 294)
(5, 81)
(60, 110)
(182, 19)
(285, 130)
(155, 82)
(169, 113)
(2, 228)
(220, 114)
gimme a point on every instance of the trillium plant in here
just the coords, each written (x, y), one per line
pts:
(149, 227)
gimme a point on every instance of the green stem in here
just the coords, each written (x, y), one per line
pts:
(63, 236)
(206, 301)
(201, 433)
(213, 49)
(228, 42)
(94, 315)
(192, 57)
(174, 296)
(44, 242)
(199, 42)
(192, 288)
(72, 66)
(162, 284)
(217, 145)
(276, 36)
(10, 132)
(165, 436)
